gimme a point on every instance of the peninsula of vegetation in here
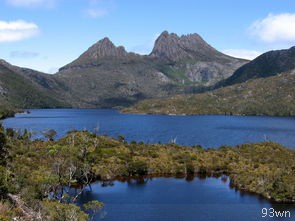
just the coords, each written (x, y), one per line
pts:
(35, 174)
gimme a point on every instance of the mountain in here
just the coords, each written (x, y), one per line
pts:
(273, 96)
(193, 60)
(267, 64)
(25, 88)
(186, 47)
(109, 76)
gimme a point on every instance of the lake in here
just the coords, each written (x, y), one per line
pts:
(208, 130)
(170, 198)
(178, 199)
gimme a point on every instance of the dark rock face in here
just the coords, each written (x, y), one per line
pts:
(268, 64)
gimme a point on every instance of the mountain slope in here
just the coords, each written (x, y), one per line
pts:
(273, 96)
(17, 90)
(267, 64)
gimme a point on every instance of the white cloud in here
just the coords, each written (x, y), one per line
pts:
(31, 3)
(17, 30)
(242, 53)
(278, 28)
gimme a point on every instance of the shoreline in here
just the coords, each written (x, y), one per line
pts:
(206, 114)
(126, 111)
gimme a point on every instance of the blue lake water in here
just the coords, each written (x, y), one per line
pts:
(208, 131)
(170, 198)
(175, 199)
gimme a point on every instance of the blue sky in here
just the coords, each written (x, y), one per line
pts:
(47, 34)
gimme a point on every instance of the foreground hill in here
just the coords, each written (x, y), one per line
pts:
(272, 96)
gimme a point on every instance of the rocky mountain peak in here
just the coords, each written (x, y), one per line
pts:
(176, 48)
(104, 48)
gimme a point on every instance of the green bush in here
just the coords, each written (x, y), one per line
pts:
(138, 167)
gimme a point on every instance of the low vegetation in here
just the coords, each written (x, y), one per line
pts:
(6, 112)
(36, 173)
(272, 96)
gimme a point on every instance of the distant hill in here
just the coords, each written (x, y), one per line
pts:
(268, 64)
(273, 96)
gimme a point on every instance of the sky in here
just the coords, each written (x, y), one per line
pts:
(47, 34)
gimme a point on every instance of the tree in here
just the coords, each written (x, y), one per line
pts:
(94, 206)
(55, 211)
